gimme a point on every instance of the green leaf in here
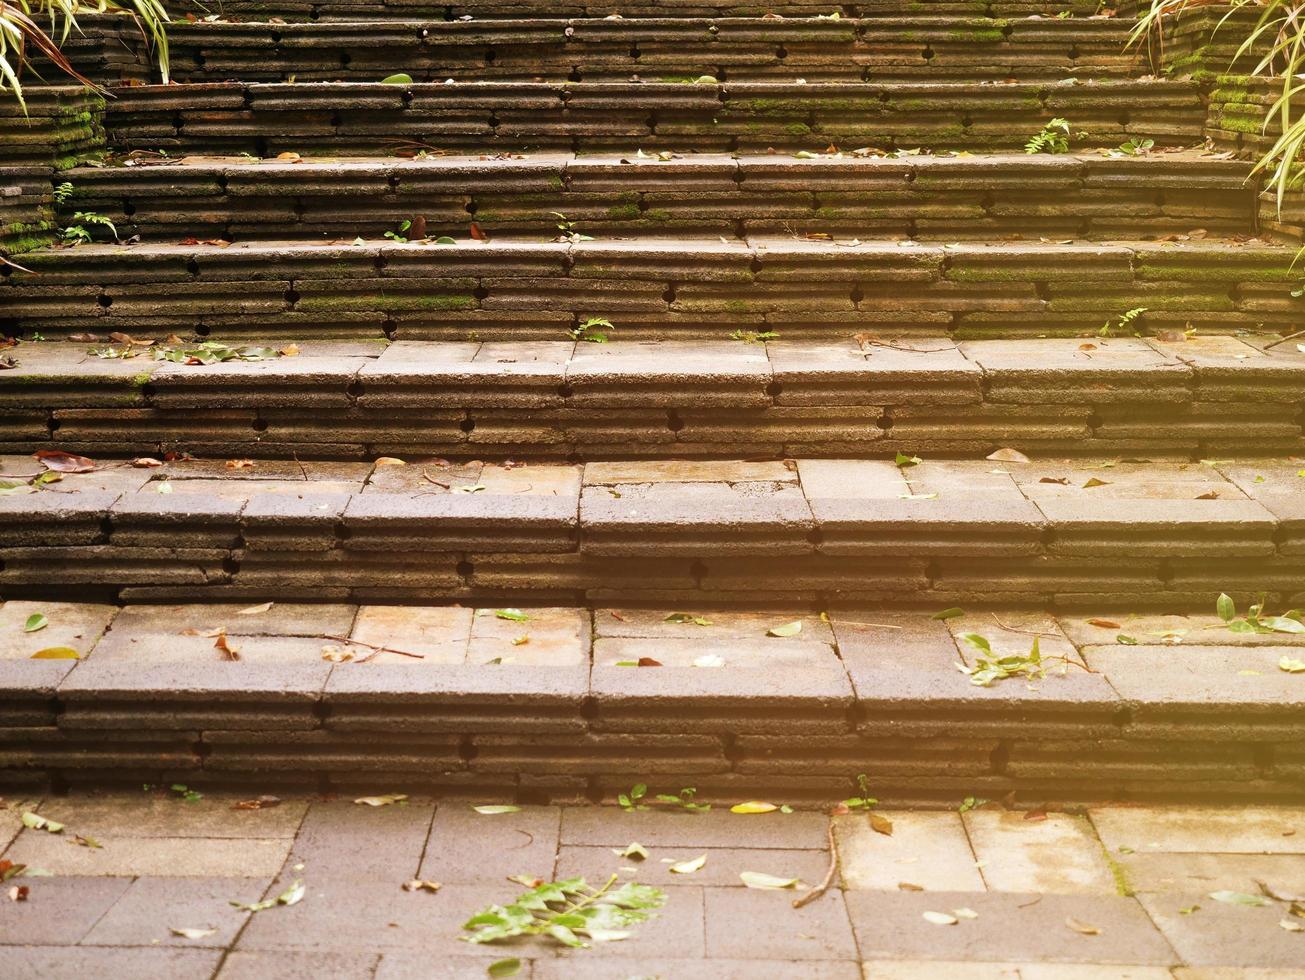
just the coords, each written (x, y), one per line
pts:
(445, 240)
(688, 867)
(786, 629)
(952, 613)
(399, 79)
(1225, 607)
(1239, 898)
(905, 460)
(490, 809)
(633, 851)
(35, 821)
(1291, 665)
(504, 968)
(515, 615)
(753, 806)
(686, 619)
(759, 879)
(977, 641)
(36, 621)
(1125, 639)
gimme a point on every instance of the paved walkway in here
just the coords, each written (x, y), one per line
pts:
(1121, 891)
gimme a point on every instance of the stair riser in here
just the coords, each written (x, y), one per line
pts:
(897, 198)
(816, 50)
(364, 120)
(446, 292)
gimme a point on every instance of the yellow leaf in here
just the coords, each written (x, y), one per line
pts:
(389, 461)
(57, 653)
(688, 867)
(753, 806)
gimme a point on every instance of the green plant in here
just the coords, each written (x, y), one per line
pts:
(1256, 619)
(989, 667)
(186, 793)
(1123, 322)
(20, 34)
(79, 232)
(633, 800)
(566, 230)
(400, 236)
(63, 193)
(754, 336)
(865, 801)
(1054, 138)
(684, 800)
(566, 910)
(1136, 147)
(594, 330)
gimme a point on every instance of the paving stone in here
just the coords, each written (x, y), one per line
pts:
(600, 967)
(1010, 928)
(764, 923)
(466, 846)
(71, 624)
(594, 826)
(1223, 934)
(418, 966)
(1189, 872)
(926, 849)
(213, 816)
(553, 637)
(1057, 855)
(155, 856)
(148, 911)
(942, 970)
(1152, 629)
(74, 962)
(239, 619)
(439, 633)
(722, 868)
(297, 965)
(1202, 829)
(343, 839)
(59, 911)
(723, 623)
(606, 474)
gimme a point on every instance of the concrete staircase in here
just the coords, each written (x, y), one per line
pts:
(554, 383)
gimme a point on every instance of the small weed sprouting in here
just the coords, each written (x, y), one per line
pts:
(593, 330)
(1054, 138)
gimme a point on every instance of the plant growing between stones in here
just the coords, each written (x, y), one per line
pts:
(1054, 138)
(79, 232)
(1257, 620)
(684, 800)
(633, 800)
(566, 230)
(990, 667)
(593, 330)
(567, 910)
(1125, 321)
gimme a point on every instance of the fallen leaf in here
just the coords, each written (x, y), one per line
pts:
(1291, 665)
(289, 350)
(477, 234)
(56, 653)
(188, 933)
(289, 155)
(240, 464)
(146, 462)
(255, 610)
(515, 615)
(421, 885)
(881, 824)
(965, 913)
(940, 918)
(261, 803)
(81, 841)
(1082, 928)
(19, 893)
(504, 968)
(336, 655)
(1094, 482)
(385, 800)
(35, 622)
(1008, 456)
(1239, 898)
(951, 613)
(226, 649)
(633, 851)
(709, 660)
(688, 867)
(493, 808)
(759, 879)
(34, 821)
(753, 806)
(389, 461)
(1105, 624)
(909, 886)
(647, 662)
(786, 629)
(687, 618)
(62, 462)
(1291, 925)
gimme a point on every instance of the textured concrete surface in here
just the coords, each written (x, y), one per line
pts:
(1012, 887)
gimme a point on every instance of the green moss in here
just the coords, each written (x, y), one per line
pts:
(555, 181)
(1123, 887)
(623, 212)
(657, 214)
(797, 129)
(985, 36)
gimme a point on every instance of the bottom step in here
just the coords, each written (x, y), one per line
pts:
(571, 703)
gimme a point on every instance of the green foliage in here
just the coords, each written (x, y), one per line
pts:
(1123, 322)
(1054, 138)
(203, 352)
(1257, 620)
(633, 800)
(566, 230)
(684, 800)
(63, 193)
(865, 801)
(594, 330)
(990, 667)
(566, 911)
(79, 232)
(754, 336)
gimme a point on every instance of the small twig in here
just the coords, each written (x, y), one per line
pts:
(909, 350)
(882, 626)
(823, 887)
(430, 479)
(379, 648)
(1283, 340)
(302, 470)
(1014, 629)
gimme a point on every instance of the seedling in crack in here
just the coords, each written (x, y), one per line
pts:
(684, 800)
(594, 330)
(1054, 138)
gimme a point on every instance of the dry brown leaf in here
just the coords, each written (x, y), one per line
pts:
(1082, 928)
(146, 462)
(226, 649)
(1105, 624)
(255, 610)
(421, 885)
(1008, 456)
(881, 824)
(62, 462)
(240, 464)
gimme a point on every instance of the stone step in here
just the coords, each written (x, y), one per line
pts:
(674, 288)
(1073, 533)
(539, 703)
(918, 196)
(660, 49)
(1206, 396)
(266, 119)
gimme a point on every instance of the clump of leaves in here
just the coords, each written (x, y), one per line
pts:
(63, 193)
(1257, 620)
(1123, 322)
(684, 800)
(1136, 147)
(990, 667)
(186, 793)
(1054, 138)
(865, 801)
(754, 336)
(79, 232)
(566, 911)
(180, 352)
(594, 330)
(566, 229)
(400, 236)
(633, 800)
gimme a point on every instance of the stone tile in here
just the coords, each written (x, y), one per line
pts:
(724, 864)
(72, 624)
(1090, 971)
(555, 637)
(239, 619)
(346, 839)
(727, 624)
(1223, 934)
(131, 647)
(612, 827)
(939, 970)
(597, 966)
(59, 911)
(1234, 973)
(1010, 928)
(498, 479)
(1167, 630)
(120, 479)
(768, 653)
(419, 966)
(688, 471)
(439, 633)
(744, 922)
(1040, 481)
(139, 815)
(466, 846)
(1012, 631)
(155, 856)
(297, 965)
(148, 911)
(424, 476)
(852, 479)
(928, 849)
(79, 962)
(1192, 872)
(243, 489)
(1227, 830)
(1058, 855)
